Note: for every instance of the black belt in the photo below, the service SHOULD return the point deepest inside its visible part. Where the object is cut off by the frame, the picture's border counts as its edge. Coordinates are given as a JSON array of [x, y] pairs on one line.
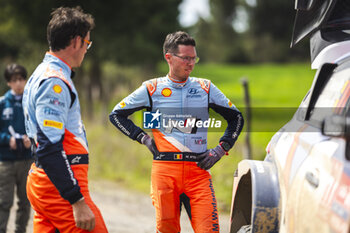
[[72, 159], [177, 156]]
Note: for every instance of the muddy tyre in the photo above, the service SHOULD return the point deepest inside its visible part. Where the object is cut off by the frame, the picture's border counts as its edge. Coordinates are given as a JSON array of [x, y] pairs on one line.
[[245, 229]]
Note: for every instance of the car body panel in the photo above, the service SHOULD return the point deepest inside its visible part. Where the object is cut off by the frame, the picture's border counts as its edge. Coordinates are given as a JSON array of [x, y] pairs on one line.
[[308, 172]]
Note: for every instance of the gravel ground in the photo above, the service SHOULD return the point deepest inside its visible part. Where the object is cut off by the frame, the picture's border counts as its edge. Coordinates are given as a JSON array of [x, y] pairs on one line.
[[125, 211]]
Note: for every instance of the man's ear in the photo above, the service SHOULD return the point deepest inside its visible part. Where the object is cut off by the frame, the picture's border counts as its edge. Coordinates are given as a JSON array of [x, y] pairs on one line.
[[167, 57], [76, 42]]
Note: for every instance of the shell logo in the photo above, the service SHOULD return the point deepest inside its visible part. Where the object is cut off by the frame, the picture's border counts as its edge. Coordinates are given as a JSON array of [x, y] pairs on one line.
[[230, 103], [166, 92], [57, 88], [122, 104]]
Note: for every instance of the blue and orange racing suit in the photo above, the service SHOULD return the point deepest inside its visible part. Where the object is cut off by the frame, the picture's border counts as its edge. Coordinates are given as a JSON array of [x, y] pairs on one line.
[[175, 174], [59, 176]]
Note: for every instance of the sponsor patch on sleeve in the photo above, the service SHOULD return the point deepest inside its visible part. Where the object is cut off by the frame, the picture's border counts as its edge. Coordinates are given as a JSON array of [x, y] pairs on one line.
[[53, 124], [230, 103], [122, 104], [56, 102], [57, 88]]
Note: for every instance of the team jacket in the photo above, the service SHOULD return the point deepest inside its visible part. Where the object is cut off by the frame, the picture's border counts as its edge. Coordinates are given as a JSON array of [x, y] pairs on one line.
[[187, 101], [11, 113], [53, 120]]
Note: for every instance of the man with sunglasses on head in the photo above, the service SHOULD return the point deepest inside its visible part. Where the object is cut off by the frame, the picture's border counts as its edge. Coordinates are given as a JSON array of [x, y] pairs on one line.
[[57, 183], [181, 160]]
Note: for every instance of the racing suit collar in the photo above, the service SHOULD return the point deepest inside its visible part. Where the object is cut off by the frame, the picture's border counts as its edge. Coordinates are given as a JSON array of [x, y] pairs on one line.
[[175, 83], [48, 53], [51, 57]]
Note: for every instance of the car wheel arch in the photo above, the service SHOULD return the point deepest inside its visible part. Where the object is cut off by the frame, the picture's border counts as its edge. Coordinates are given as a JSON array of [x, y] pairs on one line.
[[256, 197]]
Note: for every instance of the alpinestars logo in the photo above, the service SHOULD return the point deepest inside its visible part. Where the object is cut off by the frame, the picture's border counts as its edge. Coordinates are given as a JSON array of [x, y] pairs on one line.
[[151, 120], [76, 160]]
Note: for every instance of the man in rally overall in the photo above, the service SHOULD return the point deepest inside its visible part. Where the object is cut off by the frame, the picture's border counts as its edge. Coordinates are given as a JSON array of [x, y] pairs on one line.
[[57, 183], [181, 161]]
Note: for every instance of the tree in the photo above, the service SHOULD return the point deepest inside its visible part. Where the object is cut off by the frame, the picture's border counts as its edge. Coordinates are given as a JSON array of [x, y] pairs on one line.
[[129, 32], [267, 39], [217, 40], [270, 33]]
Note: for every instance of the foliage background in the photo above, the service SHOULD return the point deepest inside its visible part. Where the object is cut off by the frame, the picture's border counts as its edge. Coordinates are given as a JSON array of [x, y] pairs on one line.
[[129, 35]]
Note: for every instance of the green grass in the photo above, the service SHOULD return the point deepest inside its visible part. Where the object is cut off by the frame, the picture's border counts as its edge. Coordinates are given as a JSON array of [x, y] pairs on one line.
[[275, 89], [115, 157], [270, 85]]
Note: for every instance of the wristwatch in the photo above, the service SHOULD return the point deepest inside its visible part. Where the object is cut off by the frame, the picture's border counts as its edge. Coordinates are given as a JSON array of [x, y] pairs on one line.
[[225, 145]]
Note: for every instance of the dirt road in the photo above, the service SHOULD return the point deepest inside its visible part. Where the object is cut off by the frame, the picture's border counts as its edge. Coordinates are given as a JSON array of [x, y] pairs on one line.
[[125, 211]]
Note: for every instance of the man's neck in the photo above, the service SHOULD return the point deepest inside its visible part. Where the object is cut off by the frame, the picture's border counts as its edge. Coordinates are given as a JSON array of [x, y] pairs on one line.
[[64, 56], [176, 79]]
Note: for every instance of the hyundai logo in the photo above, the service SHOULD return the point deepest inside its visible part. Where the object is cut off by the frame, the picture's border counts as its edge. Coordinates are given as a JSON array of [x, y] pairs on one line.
[[192, 91]]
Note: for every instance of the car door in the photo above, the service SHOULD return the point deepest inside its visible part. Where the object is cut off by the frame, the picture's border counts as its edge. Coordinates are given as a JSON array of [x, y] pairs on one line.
[[319, 186]]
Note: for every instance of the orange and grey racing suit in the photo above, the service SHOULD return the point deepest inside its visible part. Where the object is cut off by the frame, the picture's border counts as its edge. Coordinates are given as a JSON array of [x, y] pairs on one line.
[[59, 176], [179, 112]]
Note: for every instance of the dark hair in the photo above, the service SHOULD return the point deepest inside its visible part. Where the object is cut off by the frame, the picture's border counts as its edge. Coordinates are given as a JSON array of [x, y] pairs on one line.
[[14, 69], [67, 23], [173, 40]]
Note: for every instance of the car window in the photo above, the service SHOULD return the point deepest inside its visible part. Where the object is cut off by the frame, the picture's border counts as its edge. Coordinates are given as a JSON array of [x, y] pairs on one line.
[[334, 97]]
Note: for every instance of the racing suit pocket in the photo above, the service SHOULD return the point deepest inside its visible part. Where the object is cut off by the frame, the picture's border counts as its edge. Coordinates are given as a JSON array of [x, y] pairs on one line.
[[166, 204]]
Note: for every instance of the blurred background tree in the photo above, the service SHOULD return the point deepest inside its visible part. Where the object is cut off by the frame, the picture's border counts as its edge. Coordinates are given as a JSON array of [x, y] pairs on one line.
[[128, 32], [216, 39], [270, 30], [248, 31]]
